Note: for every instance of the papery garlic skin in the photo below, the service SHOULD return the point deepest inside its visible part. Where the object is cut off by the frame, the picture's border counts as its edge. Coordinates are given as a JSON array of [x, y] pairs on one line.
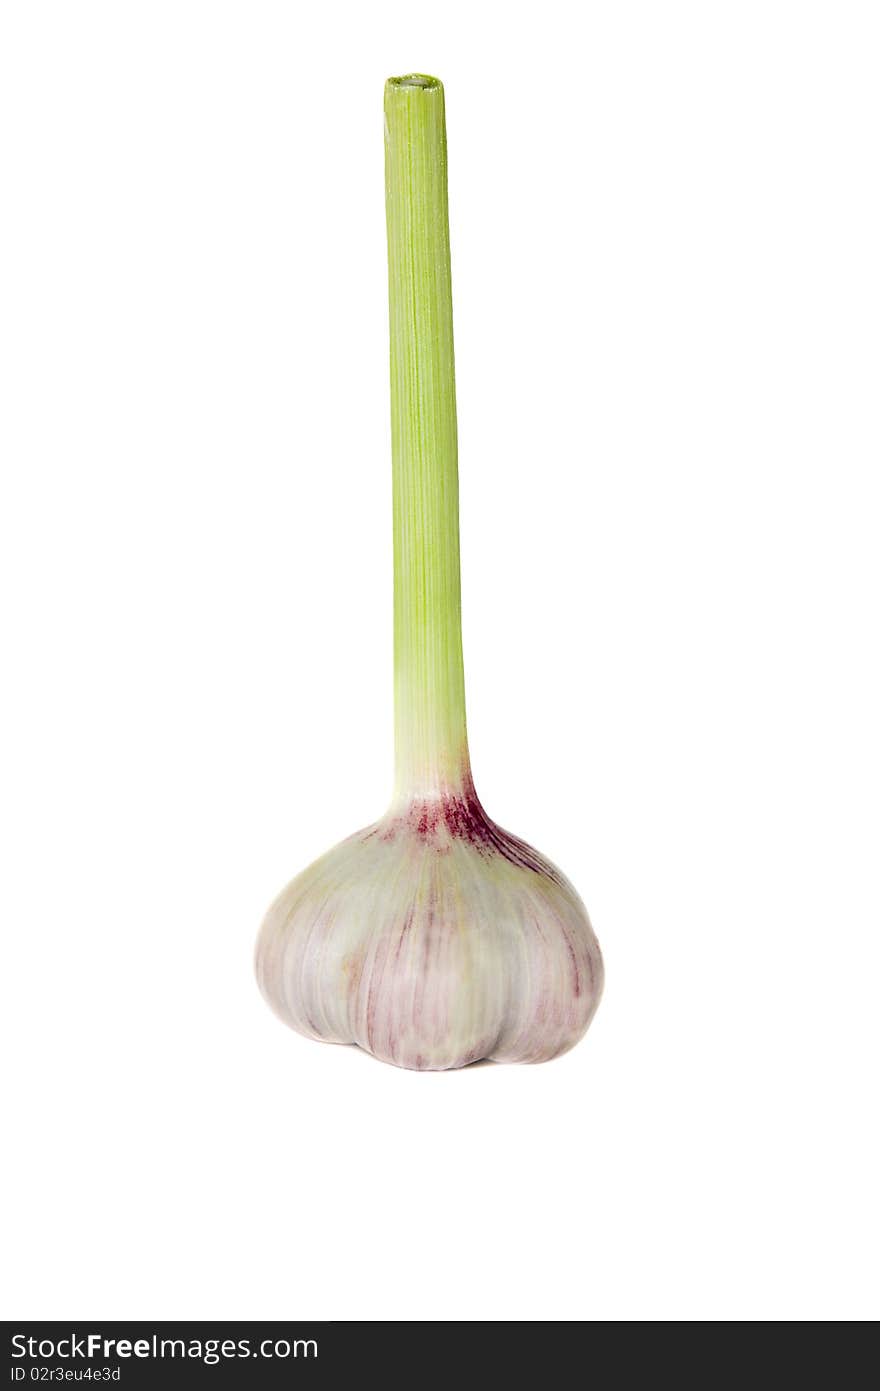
[[433, 939]]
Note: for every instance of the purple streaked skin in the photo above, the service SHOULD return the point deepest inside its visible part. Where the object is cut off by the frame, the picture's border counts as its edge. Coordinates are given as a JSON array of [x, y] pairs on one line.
[[460, 816], [433, 939]]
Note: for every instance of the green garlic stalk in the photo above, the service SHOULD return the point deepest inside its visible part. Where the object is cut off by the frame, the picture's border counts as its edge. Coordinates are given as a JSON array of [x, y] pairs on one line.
[[432, 938]]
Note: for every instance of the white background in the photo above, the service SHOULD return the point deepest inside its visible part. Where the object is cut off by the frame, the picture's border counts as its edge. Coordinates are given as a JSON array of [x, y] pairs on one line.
[[665, 226]]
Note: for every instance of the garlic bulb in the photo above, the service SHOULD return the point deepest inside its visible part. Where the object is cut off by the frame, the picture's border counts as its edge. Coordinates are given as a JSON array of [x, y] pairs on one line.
[[432, 938]]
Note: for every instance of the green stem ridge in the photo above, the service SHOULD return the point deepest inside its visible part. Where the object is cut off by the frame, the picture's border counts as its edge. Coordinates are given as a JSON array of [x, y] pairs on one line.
[[429, 711]]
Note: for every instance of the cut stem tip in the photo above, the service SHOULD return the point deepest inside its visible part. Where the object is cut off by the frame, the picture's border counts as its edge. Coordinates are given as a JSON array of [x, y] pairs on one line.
[[418, 81]]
